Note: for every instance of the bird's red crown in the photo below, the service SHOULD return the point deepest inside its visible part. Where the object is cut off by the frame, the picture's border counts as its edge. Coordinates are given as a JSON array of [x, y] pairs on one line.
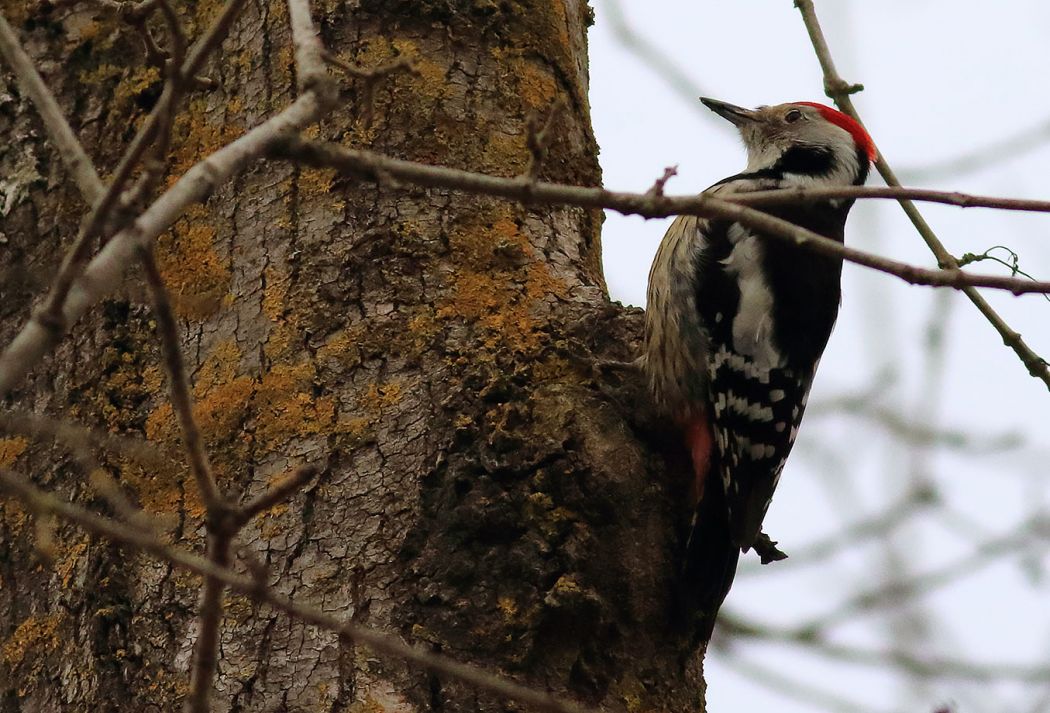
[[836, 117]]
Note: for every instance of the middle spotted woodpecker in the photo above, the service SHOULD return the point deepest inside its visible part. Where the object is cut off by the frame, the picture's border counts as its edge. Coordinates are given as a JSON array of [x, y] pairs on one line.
[[736, 323]]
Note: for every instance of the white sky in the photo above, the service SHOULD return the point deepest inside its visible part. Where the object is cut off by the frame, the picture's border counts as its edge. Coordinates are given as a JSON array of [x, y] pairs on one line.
[[942, 78]]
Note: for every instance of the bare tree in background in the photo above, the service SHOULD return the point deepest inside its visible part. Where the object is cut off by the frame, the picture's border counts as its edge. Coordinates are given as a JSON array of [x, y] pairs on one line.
[[879, 579], [347, 390]]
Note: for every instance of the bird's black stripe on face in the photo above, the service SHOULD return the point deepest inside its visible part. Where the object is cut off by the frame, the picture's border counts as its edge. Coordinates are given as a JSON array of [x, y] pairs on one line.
[[865, 166], [805, 160], [813, 161]]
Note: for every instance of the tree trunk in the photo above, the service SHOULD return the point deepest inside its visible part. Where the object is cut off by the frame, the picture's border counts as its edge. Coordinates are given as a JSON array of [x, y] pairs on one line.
[[482, 493]]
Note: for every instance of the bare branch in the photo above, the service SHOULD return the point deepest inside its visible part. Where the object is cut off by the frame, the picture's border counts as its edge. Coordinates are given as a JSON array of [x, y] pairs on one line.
[[538, 139], [178, 382], [995, 153], [372, 166], [839, 90], [68, 145], [1036, 529], [370, 74], [109, 489], [912, 430], [774, 680], [955, 198], [176, 33], [281, 491], [40, 502], [856, 533], [657, 189], [78, 438], [927, 667], [370, 78], [309, 52], [104, 272], [210, 611], [51, 321]]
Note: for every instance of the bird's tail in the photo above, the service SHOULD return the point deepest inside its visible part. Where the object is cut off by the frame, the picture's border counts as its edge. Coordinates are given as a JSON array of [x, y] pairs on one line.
[[709, 563]]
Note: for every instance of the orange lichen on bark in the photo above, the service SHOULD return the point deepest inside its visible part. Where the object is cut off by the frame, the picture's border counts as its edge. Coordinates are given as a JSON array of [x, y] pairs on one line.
[[286, 408], [553, 368], [66, 562], [367, 704], [35, 638], [100, 74], [341, 349], [429, 78], [536, 86], [503, 153], [199, 132], [380, 396], [316, 181], [16, 11], [498, 282], [633, 694], [14, 515], [203, 14], [10, 449], [221, 399], [422, 328], [238, 414], [284, 327], [197, 277], [138, 80]]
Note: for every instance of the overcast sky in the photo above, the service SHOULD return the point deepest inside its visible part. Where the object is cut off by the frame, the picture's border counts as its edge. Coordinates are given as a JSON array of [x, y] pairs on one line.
[[942, 79]]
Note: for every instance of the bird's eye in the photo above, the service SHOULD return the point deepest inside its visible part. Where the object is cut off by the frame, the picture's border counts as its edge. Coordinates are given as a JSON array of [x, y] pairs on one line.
[[792, 116]]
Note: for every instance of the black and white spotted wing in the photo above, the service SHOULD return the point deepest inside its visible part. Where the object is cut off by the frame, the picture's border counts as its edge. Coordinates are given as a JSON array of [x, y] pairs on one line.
[[756, 413]]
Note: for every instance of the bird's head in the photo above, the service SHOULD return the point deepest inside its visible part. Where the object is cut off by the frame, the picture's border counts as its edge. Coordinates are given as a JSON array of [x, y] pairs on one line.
[[803, 139]]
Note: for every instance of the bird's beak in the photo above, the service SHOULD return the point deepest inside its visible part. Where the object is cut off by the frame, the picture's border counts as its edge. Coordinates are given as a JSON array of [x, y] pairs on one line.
[[736, 115]]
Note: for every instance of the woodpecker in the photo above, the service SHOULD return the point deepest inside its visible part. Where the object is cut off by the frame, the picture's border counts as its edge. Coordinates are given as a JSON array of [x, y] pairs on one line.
[[736, 323]]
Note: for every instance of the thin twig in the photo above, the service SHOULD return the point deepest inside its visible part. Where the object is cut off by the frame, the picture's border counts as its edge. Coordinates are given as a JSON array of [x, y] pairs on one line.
[[310, 69], [839, 90], [997, 152], [109, 490], [69, 147], [372, 166], [849, 537], [77, 437], [370, 74], [209, 612], [220, 533], [892, 594], [39, 501], [277, 494], [104, 272], [176, 34], [178, 382], [50, 317], [955, 198], [538, 139], [927, 667], [657, 189], [369, 78], [774, 680]]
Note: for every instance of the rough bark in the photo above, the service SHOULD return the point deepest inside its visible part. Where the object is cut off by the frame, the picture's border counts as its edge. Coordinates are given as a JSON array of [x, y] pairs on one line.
[[482, 493]]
